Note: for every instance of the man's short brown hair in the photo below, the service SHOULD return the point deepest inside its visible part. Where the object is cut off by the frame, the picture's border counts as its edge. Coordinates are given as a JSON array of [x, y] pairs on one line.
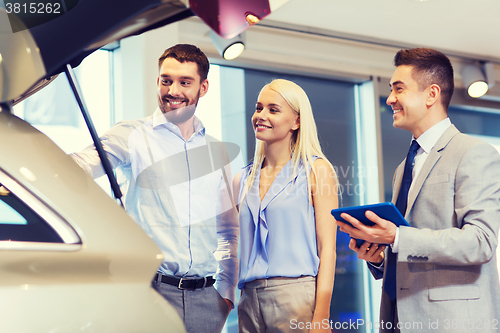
[[429, 67], [187, 52]]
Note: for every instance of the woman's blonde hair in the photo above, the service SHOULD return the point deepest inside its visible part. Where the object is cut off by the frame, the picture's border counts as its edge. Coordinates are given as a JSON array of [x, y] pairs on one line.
[[304, 143]]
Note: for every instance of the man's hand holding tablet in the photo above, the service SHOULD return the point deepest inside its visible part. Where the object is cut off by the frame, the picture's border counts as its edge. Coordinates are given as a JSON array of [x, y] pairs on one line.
[[375, 224]]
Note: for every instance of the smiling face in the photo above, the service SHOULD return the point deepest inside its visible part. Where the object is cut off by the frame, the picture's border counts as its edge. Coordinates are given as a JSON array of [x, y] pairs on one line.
[[274, 120], [409, 103], [179, 89]]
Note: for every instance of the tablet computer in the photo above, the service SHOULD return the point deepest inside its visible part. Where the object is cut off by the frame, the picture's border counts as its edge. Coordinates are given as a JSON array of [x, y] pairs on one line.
[[385, 210]]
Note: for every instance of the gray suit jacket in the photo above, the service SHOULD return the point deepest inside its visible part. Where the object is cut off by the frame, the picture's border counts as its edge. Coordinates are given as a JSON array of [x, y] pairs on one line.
[[447, 277]]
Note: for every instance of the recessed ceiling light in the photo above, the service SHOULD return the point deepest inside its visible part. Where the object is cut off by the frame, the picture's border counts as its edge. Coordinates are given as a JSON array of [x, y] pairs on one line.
[[229, 49]]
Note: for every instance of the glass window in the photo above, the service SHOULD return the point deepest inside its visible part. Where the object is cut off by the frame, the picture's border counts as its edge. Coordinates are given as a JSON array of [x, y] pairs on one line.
[[395, 142], [7, 214], [475, 122], [18, 222], [55, 112]]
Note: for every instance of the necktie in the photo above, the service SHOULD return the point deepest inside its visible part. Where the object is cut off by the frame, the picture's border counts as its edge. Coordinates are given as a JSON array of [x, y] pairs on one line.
[[401, 203]]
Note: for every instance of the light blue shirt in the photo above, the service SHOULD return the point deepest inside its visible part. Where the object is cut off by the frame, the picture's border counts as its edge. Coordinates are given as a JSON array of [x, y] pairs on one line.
[[277, 235], [174, 192]]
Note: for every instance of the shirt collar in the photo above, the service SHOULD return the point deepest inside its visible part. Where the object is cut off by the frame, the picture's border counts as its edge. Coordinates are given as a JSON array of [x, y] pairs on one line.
[[159, 119], [429, 138]]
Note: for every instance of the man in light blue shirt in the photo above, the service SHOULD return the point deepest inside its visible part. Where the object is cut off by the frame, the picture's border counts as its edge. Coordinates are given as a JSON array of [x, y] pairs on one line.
[[177, 188]]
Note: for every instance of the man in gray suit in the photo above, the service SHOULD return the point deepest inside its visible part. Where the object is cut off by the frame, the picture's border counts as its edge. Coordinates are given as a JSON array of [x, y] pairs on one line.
[[443, 275]]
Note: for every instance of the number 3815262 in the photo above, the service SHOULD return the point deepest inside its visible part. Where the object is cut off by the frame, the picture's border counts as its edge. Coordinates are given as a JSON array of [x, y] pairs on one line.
[[33, 8]]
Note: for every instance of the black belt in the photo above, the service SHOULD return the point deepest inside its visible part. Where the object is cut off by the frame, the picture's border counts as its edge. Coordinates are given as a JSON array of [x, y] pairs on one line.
[[181, 283]]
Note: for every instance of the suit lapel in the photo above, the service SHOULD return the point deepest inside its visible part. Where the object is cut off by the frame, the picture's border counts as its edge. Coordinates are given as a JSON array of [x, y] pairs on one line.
[[429, 164], [396, 182]]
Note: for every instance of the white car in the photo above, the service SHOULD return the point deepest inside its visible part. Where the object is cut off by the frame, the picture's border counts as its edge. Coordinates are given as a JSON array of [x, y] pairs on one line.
[[71, 259]]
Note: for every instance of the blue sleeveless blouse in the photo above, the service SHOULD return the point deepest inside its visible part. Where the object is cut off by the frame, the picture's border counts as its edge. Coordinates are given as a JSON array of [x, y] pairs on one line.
[[277, 235]]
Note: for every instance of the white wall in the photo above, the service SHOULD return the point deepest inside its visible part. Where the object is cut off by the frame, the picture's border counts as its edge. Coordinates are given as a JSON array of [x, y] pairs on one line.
[[137, 71]]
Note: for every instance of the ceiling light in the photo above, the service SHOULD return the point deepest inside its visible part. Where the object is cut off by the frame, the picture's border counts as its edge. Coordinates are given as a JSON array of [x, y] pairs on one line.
[[478, 79], [252, 19], [229, 49]]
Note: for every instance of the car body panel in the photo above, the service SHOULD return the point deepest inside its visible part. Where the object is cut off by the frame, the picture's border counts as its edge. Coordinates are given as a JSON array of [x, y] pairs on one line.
[[21, 64], [93, 308], [99, 281]]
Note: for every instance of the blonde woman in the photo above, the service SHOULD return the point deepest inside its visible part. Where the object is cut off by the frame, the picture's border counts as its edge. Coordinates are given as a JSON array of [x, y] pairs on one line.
[[287, 235]]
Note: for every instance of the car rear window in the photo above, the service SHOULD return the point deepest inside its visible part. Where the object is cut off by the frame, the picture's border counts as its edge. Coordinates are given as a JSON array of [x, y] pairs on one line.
[[18, 222]]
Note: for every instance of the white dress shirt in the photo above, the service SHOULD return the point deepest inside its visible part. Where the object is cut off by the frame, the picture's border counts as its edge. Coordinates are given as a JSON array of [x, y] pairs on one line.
[[173, 191]]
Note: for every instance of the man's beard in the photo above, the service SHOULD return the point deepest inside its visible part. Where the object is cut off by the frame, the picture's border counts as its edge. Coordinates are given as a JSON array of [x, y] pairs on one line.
[[177, 115]]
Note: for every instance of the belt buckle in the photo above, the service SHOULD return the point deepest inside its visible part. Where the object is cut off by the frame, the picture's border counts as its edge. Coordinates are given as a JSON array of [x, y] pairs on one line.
[[204, 282], [179, 286]]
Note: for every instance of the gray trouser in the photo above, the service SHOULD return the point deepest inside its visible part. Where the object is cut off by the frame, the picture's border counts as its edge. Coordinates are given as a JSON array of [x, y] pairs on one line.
[[277, 305], [201, 310]]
